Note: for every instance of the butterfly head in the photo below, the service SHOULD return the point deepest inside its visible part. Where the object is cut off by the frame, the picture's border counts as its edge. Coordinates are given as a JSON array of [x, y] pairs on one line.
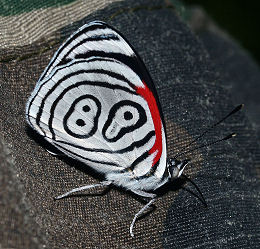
[[176, 167]]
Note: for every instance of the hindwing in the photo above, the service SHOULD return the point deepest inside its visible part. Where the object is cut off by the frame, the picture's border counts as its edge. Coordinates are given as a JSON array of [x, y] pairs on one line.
[[97, 103]]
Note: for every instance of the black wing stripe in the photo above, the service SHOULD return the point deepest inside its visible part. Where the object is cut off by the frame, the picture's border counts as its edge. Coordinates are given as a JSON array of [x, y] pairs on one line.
[[150, 172], [131, 147], [139, 160], [85, 158], [128, 60]]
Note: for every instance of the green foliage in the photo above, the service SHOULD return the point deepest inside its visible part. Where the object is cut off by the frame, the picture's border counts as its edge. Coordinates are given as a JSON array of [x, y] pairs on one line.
[[15, 7]]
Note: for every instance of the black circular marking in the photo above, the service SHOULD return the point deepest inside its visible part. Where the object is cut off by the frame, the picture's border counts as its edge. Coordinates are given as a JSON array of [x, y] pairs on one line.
[[80, 122], [128, 115], [124, 130], [86, 108], [74, 86]]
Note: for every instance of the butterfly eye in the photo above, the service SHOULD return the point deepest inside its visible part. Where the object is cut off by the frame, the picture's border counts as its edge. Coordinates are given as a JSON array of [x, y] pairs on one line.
[[124, 117], [81, 120]]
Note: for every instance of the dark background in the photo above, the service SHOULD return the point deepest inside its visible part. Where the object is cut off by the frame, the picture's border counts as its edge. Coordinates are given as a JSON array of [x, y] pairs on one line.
[[239, 18]]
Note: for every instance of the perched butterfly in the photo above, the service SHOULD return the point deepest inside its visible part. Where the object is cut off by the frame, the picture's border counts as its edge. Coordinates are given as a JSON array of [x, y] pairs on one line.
[[96, 103]]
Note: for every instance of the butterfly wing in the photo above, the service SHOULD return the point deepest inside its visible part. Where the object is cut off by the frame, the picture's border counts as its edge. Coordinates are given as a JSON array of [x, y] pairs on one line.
[[97, 103], [93, 39]]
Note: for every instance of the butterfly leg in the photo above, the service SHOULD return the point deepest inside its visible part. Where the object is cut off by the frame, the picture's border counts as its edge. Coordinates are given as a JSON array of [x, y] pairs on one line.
[[104, 183], [141, 211], [144, 194]]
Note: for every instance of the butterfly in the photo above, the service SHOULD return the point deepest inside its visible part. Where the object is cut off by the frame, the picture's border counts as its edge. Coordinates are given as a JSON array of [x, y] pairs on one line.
[[97, 103]]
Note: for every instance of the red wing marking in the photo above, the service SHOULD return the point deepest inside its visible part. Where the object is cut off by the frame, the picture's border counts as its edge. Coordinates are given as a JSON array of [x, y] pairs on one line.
[[146, 93]]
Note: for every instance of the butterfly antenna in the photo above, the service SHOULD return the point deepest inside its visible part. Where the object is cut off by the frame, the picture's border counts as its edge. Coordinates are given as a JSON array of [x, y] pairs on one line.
[[208, 144], [209, 129]]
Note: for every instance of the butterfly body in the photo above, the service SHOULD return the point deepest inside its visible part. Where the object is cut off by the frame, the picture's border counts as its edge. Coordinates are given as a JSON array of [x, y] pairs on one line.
[[96, 103]]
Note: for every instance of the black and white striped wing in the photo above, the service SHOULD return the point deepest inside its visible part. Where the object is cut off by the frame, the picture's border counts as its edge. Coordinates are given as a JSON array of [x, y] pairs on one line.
[[96, 102], [93, 39]]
